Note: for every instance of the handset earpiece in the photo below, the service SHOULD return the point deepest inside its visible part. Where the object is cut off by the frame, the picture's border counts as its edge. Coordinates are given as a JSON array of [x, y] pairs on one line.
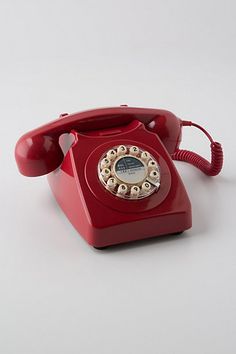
[[169, 128], [38, 155]]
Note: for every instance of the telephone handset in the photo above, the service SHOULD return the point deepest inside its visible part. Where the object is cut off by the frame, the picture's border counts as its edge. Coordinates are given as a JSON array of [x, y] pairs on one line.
[[117, 182]]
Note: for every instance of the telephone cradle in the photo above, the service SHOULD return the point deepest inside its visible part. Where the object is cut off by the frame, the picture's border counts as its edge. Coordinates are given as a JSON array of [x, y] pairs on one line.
[[116, 181]]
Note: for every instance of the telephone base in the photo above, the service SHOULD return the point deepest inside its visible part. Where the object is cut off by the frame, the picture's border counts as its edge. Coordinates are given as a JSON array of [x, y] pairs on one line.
[[101, 226], [105, 219]]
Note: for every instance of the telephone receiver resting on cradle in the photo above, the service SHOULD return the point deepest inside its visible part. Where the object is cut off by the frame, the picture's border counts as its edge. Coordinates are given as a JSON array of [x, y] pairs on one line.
[[143, 141]]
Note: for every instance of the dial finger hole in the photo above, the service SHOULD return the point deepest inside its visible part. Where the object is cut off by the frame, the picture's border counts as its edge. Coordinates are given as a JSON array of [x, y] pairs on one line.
[[134, 192], [154, 175], [105, 173], [134, 150], [121, 150], [146, 186], [111, 154], [111, 183], [145, 156], [122, 189], [152, 164], [105, 163]]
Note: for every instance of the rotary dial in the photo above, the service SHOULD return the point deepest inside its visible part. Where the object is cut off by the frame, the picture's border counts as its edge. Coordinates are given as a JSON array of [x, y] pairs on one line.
[[129, 172]]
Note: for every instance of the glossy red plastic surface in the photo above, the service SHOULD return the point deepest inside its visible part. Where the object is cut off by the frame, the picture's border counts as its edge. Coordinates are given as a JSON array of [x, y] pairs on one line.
[[100, 217], [104, 219], [38, 152]]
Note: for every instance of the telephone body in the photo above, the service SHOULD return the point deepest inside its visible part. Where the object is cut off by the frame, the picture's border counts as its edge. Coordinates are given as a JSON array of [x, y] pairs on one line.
[[117, 182]]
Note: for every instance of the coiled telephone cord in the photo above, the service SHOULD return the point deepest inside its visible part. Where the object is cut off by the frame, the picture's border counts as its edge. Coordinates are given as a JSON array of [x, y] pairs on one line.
[[211, 168]]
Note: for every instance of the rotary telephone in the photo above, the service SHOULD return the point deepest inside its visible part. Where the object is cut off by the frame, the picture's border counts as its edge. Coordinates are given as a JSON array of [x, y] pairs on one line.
[[117, 182]]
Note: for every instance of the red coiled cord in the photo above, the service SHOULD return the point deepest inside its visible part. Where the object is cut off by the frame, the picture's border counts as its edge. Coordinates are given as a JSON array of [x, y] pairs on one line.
[[209, 168]]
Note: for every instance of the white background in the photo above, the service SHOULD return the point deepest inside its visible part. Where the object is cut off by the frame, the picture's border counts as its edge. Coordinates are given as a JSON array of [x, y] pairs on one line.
[[171, 295]]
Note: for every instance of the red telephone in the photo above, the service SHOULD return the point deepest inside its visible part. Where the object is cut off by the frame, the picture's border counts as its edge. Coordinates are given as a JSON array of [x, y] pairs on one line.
[[117, 182]]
